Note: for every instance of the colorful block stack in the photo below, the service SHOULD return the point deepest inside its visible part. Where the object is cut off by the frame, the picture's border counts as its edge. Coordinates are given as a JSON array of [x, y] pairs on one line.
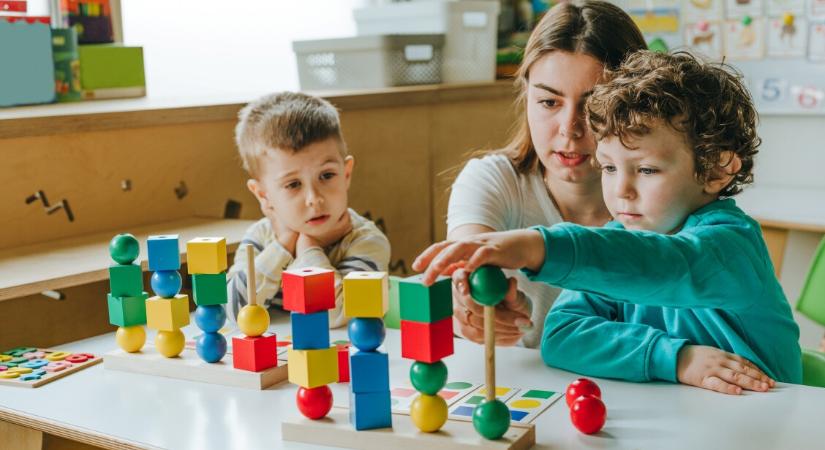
[[255, 351], [127, 299], [427, 338], [309, 294], [206, 260], [168, 311], [366, 301]]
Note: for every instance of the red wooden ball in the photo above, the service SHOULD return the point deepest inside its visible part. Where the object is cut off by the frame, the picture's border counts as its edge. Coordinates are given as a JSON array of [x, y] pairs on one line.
[[582, 386], [588, 414], [314, 403]]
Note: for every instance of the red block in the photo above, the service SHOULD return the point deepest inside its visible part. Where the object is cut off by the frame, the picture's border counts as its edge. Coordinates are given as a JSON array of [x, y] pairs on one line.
[[308, 290], [254, 353], [343, 363], [427, 342]]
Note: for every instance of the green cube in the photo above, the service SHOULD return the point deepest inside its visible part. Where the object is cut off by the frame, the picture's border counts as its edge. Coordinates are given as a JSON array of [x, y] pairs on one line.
[[392, 319], [125, 280], [420, 303], [127, 311], [209, 288]]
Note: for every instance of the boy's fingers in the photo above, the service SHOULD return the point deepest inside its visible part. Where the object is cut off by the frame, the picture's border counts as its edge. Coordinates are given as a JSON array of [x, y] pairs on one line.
[[749, 371], [718, 385], [423, 260], [762, 376], [742, 380]]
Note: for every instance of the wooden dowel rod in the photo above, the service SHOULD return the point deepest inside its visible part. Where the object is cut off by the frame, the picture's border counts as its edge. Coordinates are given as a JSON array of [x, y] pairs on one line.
[[250, 276], [490, 350]]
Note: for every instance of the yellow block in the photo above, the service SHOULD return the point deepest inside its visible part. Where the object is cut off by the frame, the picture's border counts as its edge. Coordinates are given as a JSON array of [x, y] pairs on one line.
[[167, 314], [206, 255], [366, 294], [313, 368]]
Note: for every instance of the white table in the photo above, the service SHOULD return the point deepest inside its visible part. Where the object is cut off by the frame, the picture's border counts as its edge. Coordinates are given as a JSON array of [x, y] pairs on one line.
[[112, 408]]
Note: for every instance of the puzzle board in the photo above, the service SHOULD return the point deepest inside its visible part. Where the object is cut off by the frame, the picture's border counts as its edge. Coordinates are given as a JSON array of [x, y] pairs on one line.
[[33, 367]]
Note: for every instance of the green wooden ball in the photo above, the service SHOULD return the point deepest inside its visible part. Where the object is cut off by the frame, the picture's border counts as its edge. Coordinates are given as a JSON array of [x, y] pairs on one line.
[[428, 378], [488, 285], [491, 418], [124, 248]]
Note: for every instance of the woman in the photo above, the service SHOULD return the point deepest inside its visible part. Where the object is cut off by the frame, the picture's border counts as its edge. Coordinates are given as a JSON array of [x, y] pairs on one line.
[[546, 174]]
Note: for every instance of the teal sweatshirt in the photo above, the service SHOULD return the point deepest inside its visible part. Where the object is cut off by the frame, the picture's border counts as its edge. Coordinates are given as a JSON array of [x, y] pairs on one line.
[[635, 298]]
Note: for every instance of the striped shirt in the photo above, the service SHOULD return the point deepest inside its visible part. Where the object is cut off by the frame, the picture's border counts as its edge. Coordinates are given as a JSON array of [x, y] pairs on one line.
[[365, 248]]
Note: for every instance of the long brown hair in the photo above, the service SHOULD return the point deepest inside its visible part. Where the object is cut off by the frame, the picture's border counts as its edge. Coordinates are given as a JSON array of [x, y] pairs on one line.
[[592, 27]]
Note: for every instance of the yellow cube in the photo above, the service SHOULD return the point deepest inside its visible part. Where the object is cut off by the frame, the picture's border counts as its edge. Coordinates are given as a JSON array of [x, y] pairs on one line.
[[366, 294], [167, 314], [313, 368], [206, 255]]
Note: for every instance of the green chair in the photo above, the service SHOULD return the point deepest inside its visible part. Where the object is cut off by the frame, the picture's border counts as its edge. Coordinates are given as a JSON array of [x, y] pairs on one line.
[[811, 303]]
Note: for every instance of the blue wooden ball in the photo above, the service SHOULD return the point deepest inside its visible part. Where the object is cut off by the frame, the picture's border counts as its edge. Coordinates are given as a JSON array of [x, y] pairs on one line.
[[211, 347], [210, 318], [166, 283], [366, 333]]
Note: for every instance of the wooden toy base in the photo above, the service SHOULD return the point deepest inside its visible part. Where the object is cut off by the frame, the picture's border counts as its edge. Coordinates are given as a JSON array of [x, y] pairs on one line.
[[335, 430], [188, 366]]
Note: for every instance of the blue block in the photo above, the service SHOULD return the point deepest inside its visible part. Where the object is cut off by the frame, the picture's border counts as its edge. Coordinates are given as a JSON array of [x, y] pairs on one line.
[[164, 253], [310, 331], [370, 410], [166, 283], [369, 372]]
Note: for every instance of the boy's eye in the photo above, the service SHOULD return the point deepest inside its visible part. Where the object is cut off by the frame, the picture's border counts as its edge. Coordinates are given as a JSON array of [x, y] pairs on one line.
[[608, 168], [647, 171], [327, 175], [293, 185]]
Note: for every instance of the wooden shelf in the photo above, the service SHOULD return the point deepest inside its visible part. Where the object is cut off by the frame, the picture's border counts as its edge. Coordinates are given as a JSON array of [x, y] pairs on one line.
[[80, 260]]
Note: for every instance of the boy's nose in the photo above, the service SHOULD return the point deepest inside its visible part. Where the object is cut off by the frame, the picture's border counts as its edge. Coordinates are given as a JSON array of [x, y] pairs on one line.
[[313, 198], [625, 189]]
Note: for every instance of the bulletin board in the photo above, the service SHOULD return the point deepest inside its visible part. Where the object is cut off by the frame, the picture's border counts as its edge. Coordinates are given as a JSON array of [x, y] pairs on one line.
[[778, 45]]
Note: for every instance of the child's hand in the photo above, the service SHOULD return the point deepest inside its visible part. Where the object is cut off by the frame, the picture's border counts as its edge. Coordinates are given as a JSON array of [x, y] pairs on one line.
[[285, 236], [507, 249], [305, 242], [718, 370]]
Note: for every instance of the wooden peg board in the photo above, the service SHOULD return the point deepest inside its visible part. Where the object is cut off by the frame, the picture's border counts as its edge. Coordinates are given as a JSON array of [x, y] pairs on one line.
[[55, 370]]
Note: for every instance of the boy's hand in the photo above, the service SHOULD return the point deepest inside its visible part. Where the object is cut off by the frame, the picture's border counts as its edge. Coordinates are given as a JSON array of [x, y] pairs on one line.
[[717, 370], [286, 237], [305, 242], [507, 249], [511, 314]]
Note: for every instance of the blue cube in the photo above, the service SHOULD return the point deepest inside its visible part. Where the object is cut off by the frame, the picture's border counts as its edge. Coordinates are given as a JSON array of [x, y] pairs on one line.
[[370, 410], [310, 331], [164, 253], [369, 372]]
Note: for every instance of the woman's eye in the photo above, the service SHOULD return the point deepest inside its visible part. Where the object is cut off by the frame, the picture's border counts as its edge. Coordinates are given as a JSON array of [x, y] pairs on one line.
[[293, 185], [647, 171], [608, 168], [549, 103]]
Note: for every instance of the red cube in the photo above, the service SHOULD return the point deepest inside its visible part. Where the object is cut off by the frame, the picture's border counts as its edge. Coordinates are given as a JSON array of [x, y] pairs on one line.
[[343, 363], [254, 354], [427, 342], [308, 290]]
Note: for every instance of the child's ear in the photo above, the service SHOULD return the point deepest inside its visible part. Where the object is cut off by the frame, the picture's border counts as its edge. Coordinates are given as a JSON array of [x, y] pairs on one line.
[[257, 189], [721, 176], [349, 163]]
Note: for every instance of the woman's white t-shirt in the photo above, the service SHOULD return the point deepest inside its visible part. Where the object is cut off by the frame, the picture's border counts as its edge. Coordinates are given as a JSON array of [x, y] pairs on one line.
[[490, 192]]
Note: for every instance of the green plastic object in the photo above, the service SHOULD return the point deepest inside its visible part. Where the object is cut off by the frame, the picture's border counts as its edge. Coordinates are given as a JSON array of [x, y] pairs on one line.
[[813, 368], [428, 378], [425, 304], [392, 319], [124, 248], [209, 288], [488, 285], [747, 20], [811, 301], [491, 419], [127, 311], [658, 45], [125, 280]]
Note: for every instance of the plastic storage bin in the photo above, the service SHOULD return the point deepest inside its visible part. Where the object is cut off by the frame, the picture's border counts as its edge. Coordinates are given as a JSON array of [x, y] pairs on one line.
[[470, 28], [369, 61]]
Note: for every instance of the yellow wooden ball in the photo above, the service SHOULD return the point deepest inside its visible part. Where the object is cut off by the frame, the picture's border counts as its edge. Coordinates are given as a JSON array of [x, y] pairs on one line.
[[130, 339], [428, 412], [253, 320], [170, 343]]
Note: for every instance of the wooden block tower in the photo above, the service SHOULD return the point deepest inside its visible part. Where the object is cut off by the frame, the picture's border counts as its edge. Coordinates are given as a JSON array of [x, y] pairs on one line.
[[366, 300], [126, 299], [427, 337], [309, 294], [207, 265], [255, 351], [168, 311]]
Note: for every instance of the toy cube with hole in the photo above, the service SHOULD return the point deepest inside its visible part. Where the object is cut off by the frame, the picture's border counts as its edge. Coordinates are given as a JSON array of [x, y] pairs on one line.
[[313, 368], [427, 342], [310, 331], [125, 280], [167, 314], [127, 311], [206, 255], [308, 290], [209, 288], [366, 294], [164, 252], [254, 354], [420, 303]]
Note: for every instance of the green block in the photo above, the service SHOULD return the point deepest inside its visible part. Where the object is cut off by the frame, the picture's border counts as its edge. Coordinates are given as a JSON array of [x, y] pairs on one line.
[[125, 280], [127, 311], [111, 66], [392, 319], [209, 288], [425, 304]]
